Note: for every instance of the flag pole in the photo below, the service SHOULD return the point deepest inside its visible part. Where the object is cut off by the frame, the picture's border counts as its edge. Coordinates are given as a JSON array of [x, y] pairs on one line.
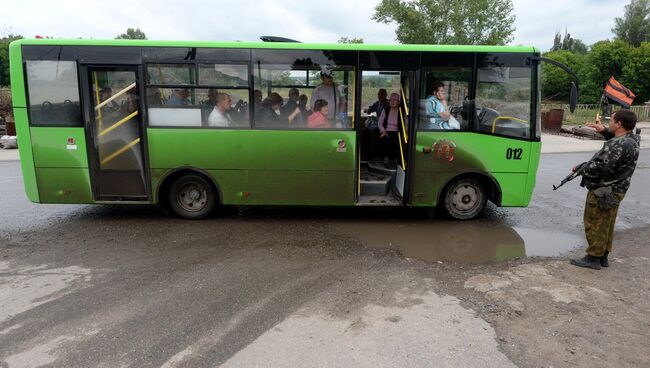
[[604, 108]]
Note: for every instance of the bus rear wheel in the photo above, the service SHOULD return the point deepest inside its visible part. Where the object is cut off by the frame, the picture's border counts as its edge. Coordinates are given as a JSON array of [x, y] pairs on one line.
[[192, 197], [464, 199]]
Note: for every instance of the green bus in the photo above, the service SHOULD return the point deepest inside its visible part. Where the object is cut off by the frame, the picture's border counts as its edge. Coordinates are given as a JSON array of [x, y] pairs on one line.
[[192, 126]]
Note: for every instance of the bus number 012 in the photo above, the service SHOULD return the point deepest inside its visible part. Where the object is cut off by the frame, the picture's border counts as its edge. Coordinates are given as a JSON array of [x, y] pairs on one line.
[[514, 153]]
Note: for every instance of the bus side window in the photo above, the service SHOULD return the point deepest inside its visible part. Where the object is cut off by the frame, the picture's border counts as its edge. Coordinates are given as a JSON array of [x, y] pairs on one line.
[[53, 93], [221, 82], [285, 96], [445, 90], [184, 95], [503, 101]]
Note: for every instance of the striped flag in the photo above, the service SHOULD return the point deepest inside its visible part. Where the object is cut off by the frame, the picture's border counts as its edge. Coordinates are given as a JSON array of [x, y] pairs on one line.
[[617, 92]]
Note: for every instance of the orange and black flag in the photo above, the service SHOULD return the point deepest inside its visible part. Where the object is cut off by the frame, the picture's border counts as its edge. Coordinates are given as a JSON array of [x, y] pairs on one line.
[[618, 93]]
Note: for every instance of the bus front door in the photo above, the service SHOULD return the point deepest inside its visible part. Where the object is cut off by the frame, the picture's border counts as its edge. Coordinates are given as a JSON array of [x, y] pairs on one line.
[[114, 126], [383, 157]]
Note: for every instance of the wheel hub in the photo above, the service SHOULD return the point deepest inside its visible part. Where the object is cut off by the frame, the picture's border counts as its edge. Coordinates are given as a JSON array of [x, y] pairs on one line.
[[192, 197], [465, 198], [194, 194]]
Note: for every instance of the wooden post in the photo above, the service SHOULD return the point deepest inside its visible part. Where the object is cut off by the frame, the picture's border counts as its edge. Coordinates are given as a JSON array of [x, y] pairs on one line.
[[10, 126]]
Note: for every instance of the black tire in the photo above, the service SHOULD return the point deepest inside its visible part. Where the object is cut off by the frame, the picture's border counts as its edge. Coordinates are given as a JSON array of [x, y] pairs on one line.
[[464, 199], [192, 197]]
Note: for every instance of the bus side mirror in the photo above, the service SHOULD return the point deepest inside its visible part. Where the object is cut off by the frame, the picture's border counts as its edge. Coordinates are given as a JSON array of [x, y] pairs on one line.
[[573, 97]]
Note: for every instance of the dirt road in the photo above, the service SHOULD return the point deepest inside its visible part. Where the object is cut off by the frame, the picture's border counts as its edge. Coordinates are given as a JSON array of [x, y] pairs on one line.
[[127, 286]]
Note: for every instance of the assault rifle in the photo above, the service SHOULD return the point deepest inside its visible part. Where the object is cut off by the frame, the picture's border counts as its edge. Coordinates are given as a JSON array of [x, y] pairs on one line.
[[579, 169]]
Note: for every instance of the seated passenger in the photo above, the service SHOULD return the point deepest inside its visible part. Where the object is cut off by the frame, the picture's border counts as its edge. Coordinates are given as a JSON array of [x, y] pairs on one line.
[[318, 118], [104, 94], [304, 109], [239, 112], [208, 105], [219, 116], [257, 101], [437, 110], [292, 104], [154, 97], [257, 96], [180, 97], [131, 104], [290, 110], [269, 112], [380, 104]]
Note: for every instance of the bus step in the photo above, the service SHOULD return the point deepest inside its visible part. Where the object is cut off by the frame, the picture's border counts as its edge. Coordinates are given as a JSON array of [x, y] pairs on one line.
[[378, 187], [371, 200], [379, 167], [375, 181]]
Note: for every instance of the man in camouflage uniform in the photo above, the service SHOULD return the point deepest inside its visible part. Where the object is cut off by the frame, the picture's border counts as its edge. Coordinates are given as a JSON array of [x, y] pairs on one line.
[[607, 176]]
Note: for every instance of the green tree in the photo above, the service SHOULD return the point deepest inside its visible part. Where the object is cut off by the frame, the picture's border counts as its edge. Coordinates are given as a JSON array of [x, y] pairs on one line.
[[568, 43], [350, 40], [132, 34], [557, 42], [573, 44], [556, 83], [578, 46], [634, 27], [483, 22], [4, 58], [636, 72]]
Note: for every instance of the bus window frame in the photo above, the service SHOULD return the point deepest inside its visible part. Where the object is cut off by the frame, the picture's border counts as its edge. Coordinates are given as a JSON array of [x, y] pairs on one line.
[[535, 108], [196, 65], [146, 69], [258, 61], [198, 75], [432, 60], [352, 70], [390, 60], [50, 53], [512, 60], [28, 104], [110, 55]]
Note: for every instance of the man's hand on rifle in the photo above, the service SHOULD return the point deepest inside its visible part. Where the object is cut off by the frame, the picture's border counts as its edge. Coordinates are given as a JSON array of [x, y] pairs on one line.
[[575, 172], [578, 167]]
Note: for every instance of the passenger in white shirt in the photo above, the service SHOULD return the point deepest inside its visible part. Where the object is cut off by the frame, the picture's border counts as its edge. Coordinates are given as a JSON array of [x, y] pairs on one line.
[[219, 116]]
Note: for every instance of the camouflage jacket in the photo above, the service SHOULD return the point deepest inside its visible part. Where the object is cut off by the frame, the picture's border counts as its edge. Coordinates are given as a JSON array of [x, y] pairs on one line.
[[614, 164]]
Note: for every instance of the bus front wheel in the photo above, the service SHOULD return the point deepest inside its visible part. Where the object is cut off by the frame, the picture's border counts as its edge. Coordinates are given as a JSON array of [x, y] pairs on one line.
[[192, 197], [464, 199]]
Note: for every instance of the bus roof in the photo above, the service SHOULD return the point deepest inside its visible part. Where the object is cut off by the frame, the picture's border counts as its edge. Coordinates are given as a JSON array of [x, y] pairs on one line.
[[280, 45]]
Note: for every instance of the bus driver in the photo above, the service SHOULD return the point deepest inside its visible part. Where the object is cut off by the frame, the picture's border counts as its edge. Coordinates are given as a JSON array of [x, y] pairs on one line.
[[437, 110]]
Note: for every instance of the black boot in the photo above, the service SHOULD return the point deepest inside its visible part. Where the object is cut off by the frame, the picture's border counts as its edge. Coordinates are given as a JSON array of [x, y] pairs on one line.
[[603, 260], [587, 261]]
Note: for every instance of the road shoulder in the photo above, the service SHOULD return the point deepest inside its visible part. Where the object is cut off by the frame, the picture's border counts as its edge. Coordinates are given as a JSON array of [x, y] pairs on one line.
[[9, 155]]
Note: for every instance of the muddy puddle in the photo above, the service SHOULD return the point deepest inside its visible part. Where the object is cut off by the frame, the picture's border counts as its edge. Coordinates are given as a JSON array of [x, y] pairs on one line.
[[462, 242]]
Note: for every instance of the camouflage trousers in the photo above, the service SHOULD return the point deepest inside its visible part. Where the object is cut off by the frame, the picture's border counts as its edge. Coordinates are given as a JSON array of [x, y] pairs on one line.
[[599, 225]]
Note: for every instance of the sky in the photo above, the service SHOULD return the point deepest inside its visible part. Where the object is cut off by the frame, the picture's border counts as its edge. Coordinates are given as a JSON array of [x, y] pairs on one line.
[[537, 21]]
